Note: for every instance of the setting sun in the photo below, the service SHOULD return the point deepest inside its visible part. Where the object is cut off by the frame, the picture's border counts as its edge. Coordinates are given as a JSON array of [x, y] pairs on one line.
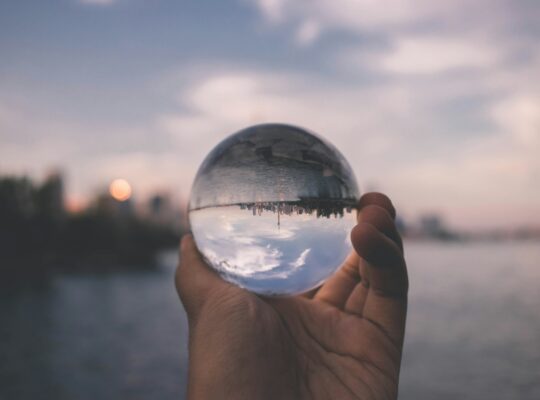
[[120, 189]]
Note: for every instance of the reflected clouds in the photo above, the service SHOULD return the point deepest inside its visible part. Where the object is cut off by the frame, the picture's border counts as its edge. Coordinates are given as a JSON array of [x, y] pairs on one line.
[[256, 253], [271, 208], [301, 260]]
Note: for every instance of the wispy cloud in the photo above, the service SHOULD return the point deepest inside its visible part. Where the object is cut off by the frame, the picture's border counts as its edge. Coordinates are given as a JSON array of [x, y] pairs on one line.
[[414, 36], [395, 16], [425, 55], [451, 102], [301, 260], [393, 134], [307, 32]]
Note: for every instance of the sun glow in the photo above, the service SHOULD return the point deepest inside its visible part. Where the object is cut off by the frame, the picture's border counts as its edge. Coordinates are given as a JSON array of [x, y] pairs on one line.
[[120, 189]]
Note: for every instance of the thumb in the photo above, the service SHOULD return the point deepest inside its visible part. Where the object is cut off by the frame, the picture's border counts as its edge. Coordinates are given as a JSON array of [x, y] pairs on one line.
[[194, 279]]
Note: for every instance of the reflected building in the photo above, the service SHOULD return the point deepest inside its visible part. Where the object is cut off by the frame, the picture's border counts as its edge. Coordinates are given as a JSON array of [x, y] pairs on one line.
[[317, 207]]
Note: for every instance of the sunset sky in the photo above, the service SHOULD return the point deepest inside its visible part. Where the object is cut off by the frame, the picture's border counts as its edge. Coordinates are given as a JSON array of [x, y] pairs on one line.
[[435, 103]]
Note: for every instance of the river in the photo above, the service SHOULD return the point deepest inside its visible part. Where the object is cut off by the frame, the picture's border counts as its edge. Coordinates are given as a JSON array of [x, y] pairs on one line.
[[473, 330]]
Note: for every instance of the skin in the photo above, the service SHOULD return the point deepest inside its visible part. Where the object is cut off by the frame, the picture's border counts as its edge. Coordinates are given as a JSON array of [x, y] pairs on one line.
[[342, 341]]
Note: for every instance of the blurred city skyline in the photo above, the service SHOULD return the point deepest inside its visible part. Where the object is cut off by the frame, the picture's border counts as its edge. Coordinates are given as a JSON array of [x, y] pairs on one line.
[[436, 104]]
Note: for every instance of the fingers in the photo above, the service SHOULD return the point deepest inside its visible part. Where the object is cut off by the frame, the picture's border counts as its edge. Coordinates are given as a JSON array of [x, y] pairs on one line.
[[338, 288], [310, 293], [383, 271], [381, 219], [377, 199], [385, 266], [355, 302], [194, 280]]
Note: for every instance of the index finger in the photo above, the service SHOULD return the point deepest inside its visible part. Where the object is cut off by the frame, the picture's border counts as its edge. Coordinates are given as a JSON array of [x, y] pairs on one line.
[[382, 265], [339, 287]]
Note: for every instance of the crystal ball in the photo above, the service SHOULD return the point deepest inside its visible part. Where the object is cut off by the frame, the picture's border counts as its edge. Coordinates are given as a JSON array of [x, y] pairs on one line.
[[271, 209]]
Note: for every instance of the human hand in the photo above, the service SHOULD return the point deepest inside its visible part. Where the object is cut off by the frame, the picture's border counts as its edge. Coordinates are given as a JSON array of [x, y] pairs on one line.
[[343, 341]]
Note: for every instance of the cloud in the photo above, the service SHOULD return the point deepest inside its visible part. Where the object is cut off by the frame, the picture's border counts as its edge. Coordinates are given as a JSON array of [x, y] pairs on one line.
[[491, 179], [223, 103], [425, 55], [307, 32], [434, 102], [91, 154], [365, 15], [519, 117], [301, 260], [242, 97], [412, 36], [392, 16], [400, 135], [272, 9], [445, 95]]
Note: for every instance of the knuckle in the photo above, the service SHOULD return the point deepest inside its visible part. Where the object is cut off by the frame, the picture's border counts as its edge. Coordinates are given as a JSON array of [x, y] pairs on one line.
[[380, 199]]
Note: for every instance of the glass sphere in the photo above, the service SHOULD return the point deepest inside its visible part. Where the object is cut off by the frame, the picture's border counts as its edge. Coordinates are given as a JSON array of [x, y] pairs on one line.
[[271, 209]]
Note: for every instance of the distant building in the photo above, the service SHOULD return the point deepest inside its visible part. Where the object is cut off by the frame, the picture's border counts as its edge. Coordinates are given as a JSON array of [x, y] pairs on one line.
[[107, 204], [161, 210], [431, 224], [50, 197], [157, 204]]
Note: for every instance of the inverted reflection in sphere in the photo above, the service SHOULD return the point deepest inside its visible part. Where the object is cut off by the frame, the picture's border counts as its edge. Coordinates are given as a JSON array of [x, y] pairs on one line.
[[271, 209]]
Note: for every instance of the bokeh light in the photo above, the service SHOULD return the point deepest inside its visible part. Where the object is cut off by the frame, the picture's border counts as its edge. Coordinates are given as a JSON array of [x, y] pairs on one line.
[[120, 189]]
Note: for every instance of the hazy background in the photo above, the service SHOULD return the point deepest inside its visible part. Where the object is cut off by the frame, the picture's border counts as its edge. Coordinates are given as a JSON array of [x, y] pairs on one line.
[[435, 103]]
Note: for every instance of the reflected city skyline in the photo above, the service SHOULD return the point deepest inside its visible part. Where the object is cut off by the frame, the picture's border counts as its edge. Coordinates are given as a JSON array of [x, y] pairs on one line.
[[320, 208], [268, 209], [274, 163]]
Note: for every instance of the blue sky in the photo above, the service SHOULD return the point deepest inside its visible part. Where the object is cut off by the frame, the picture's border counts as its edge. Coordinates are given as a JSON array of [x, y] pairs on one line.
[[435, 103]]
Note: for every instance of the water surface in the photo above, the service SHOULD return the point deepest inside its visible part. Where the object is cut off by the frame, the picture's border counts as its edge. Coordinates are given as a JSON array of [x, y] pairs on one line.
[[473, 330]]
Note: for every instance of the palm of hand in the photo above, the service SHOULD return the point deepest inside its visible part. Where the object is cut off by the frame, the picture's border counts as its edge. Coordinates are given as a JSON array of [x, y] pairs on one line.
[[334, 363], [343, 342]]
